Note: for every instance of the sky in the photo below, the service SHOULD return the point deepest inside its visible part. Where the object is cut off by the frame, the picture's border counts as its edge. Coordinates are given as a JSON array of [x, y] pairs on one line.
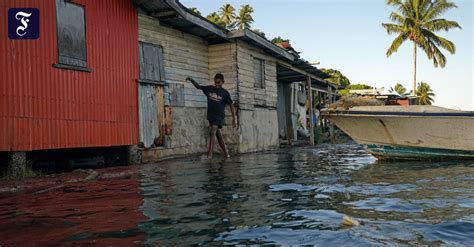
[[347, 35]]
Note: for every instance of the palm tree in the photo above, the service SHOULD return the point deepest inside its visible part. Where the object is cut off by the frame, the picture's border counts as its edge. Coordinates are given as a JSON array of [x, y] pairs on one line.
[[227, 14], [216, 19], [400, 89], [417, 21], [425, 94], [245, 19]]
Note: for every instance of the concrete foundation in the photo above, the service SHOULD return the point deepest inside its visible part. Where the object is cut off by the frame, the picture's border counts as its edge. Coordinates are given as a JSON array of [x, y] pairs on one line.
[[17, 160], [259, 130]]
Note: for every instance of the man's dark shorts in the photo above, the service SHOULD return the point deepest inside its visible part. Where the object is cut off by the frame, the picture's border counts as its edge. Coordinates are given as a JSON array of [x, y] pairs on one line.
[[218, 123]]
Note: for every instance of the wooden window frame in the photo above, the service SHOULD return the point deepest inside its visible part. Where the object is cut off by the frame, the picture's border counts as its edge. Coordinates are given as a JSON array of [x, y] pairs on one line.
[[62, 64]]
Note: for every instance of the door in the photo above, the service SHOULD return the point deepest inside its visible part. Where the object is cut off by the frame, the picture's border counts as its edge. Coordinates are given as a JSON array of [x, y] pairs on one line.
[[149, 122], [150, 93]]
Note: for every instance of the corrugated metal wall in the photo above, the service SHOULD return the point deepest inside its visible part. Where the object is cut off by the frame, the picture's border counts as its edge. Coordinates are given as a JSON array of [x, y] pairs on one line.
[[148, 113], [42, 107]]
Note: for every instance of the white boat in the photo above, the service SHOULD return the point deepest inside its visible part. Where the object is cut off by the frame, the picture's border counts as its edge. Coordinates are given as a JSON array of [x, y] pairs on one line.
[[408, 132]]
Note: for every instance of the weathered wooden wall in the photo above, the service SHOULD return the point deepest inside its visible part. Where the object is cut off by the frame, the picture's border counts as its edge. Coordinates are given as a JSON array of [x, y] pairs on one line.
[[257, 106], [223, 59], [250, 96], [184, 55]]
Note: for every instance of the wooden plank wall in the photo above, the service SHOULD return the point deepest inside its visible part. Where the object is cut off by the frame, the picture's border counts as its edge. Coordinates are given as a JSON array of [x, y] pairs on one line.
[[184, 55], [250, 96], [222, 59]]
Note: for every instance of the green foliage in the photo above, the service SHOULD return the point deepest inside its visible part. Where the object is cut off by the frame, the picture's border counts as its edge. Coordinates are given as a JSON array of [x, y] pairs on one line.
[[425, 94], [195, 10], [259, 33], [358, 87], [417, 21], [216, 19], [336, 77], [279, 40], [346, 91], [227, 15], [343, 92], [318, 133], [245, 19], [400, 89]]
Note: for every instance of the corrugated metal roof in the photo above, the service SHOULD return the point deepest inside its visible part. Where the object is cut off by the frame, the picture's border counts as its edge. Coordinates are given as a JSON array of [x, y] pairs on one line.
[[286, 74], [173, 13], [259, 41]]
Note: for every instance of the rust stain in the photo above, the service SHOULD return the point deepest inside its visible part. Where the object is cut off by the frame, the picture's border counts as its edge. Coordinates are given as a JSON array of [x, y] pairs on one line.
[[390, 137], [160, 102], [168, 121]]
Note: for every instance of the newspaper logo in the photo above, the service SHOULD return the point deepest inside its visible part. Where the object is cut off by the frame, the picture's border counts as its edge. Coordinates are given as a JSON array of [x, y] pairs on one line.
[[23, 23]]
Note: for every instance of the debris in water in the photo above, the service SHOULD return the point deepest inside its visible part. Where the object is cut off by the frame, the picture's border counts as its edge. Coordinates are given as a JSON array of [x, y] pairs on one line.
[[348, 221]]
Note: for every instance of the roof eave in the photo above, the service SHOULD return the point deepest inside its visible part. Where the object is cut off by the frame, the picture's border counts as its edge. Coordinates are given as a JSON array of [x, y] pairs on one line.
[[262, 43], [198, 22]]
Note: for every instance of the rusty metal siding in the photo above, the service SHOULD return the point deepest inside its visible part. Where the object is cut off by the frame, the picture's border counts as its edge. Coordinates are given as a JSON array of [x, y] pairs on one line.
[[148, 113], [42, 107]]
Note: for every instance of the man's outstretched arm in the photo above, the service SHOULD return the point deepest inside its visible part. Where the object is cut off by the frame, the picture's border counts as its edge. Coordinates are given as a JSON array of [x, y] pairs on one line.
[[193, 82]]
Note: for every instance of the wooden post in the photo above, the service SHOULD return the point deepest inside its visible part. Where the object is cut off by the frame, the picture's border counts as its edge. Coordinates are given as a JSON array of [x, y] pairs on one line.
[[310, 101], [331, 126]]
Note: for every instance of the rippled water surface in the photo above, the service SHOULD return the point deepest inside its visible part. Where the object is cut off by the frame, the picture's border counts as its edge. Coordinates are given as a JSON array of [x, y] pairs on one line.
[[288, 197]]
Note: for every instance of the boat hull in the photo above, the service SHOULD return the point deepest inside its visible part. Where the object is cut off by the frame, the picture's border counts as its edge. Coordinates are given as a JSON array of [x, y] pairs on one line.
[[405, 135], [416, 153]]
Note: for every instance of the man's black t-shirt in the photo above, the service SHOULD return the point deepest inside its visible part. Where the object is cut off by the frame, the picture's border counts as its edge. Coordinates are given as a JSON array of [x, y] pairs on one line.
[[217, 99]]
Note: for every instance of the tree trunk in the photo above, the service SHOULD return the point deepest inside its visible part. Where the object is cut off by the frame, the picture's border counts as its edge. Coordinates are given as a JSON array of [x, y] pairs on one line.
[[414, 69]]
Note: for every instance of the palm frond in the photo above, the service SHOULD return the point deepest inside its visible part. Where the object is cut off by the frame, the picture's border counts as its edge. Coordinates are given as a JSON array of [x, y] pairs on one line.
[[438, 58], [397, 42], [393, 28], [440, 41], [438, 8], [425, 45], [441, 24], [397, 18]]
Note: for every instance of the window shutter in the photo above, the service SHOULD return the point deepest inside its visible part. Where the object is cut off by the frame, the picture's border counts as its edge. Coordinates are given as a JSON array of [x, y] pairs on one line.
[[151, 63], [259, 72]]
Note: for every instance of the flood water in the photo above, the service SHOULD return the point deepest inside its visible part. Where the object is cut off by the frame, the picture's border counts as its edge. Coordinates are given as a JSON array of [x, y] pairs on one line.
[[287, 197]]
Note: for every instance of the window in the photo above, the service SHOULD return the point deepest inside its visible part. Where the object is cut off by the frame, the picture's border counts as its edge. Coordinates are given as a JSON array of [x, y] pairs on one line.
[[71, 30], [151, 63], [259, 72]]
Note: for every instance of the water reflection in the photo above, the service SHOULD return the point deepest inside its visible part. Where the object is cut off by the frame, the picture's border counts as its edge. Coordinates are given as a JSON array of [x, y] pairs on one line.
[[99, 212], [288, 197], [299, 196]]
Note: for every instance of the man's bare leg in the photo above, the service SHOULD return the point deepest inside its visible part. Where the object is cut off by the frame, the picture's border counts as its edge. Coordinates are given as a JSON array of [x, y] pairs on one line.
[[220, 139], [212, 139]]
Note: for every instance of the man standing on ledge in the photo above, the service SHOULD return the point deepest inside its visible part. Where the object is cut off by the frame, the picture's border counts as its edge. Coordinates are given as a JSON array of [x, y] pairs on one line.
[[217, 99]]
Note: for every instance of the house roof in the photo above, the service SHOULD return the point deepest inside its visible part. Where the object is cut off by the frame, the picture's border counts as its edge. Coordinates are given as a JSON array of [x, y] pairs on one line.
[[174, 14], [253, 38]]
